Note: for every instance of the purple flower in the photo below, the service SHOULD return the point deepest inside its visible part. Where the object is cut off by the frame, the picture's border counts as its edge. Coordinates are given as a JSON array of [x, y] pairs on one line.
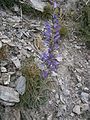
[[52, 43], [44, 74], [56, 46], [44, 56], [56, 38], [55, 4]]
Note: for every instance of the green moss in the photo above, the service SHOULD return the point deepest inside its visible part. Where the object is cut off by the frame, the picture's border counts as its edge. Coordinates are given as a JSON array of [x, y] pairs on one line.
[[63, 31]]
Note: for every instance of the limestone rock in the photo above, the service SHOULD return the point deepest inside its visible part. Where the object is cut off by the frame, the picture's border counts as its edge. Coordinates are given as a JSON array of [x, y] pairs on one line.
[[38, 5], [6, 78], [21, 85], [8, 94], [0, 44], [84, 97], [3, 69], [16, 61], [76, 109]]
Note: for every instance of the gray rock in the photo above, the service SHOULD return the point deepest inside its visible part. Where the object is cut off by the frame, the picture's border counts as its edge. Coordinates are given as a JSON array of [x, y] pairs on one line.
[[6, 103], [84, 107], [14, 19], [16, 61], [84, 97], [3, 37], [8, 94], [6, 78], [50, 117], [16, 8], [3, 69], [76, 109], [86, 89], [7, 41], [38, 4], [79, 85], [0, 44], [21, 85]]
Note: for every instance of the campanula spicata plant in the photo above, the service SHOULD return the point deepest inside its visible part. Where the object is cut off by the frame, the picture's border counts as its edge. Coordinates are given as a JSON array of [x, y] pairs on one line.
[[52, 41]]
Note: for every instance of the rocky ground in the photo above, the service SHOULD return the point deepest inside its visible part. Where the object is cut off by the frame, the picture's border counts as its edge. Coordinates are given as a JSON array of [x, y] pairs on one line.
[[69, 99]]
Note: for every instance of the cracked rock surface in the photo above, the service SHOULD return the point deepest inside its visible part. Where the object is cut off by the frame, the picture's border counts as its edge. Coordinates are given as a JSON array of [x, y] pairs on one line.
[[69, 98]]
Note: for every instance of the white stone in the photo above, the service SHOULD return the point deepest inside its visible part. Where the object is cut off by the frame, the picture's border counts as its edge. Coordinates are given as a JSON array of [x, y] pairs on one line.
[[54, 74], [72, 114], [16, 8], [0, 44], [38, 4], [6, 78], [50, 117], [59, 58], [7, 41], [86, 89], [79, 85], [8, 94], [76, 109], [21, 85], [84, 97], [85, 107], [57, 96], [16, 61], [3, 69], [3, 37]]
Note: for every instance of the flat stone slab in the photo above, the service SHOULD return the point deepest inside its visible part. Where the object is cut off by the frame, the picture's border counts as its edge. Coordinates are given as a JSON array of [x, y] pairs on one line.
[[8, 94], [37, 4]]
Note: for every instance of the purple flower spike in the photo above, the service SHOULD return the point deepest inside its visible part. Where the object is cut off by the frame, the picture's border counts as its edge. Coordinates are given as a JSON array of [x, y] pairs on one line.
[[52, 44], [44, 74], [55, 4], [56, 46]]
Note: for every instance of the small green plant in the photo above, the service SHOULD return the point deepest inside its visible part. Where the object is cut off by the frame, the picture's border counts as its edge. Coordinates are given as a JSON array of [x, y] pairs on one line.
[[47, 14], [63, 31], [84, 24], [8, 3], [36, 87], [3, 53], [27, 9]]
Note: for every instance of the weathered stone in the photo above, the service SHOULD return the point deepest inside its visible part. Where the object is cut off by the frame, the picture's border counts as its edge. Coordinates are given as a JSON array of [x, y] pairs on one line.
[[84, 97], [6, 103], [59, 58], [79, 85], [6, 41], [84, 107], [38, 4], [6, 78], [16, 8], [16, 61], [76, 109], [0, 44], [3, 69], [8, 94], [54, 74], [50, 117], [21, 85], [14, 19]]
